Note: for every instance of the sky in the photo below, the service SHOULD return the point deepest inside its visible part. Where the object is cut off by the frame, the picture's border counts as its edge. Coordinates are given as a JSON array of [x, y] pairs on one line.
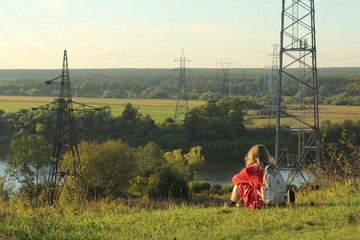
[[151, 33]]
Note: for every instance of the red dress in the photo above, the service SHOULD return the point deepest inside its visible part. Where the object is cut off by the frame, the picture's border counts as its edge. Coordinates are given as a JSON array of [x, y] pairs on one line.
[[254, 176]]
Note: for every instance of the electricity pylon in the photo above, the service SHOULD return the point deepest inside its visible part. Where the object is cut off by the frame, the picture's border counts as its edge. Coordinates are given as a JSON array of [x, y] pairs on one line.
[[225, 64], [273, 82], [182, 98], [297, 127], [65, 136]]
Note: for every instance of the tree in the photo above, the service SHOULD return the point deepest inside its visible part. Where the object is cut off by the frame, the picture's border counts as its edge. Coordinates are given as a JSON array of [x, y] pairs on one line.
[[106, 168], [355, 84], [206, 96], [221, 119], [130, 113], [186, 164], [28, 163], [149, 160]]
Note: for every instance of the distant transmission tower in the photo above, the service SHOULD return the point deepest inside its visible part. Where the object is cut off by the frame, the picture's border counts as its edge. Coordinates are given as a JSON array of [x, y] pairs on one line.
[[297, 128], [265, 86], [273, 82], [65, 135], [182, 98], [225, 64]]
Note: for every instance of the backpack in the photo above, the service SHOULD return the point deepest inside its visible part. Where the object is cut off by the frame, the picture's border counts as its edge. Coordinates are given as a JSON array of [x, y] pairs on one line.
[[273, 190]]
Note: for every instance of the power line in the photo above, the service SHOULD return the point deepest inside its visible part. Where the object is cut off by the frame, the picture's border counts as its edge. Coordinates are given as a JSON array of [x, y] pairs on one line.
[[324, 21], [10, 65], [44, 34], [254, 30], [37, 52]]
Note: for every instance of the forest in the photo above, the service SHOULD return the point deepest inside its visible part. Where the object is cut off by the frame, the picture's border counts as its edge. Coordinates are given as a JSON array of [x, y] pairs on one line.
[[202, 84]]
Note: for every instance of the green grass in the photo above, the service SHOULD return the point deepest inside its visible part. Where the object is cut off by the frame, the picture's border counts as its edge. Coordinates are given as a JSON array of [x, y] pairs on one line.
[[336, 114], [329, 213], [158, 114], [15, 106], [159, 109]]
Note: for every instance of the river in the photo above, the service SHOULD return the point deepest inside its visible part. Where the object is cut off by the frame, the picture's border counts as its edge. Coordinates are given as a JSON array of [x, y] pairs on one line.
[[223, 173], [214, 173]]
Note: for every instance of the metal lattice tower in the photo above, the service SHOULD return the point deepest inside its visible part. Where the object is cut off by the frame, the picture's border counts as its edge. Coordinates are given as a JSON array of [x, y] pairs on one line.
[[297, 128], [65, 135], [182, 99], [273, 82], [265, 87], [225, 65]]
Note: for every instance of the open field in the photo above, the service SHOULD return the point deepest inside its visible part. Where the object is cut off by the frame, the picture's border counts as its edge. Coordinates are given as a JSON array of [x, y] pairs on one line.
[[336, 114], [159, 109]]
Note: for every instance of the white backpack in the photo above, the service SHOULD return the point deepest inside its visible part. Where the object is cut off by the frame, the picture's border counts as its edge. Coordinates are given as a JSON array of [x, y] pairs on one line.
[[273, 190]]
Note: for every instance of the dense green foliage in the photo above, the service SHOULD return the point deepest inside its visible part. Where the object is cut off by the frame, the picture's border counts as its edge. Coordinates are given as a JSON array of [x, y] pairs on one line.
[[341, 151], [203, 84], [222, 119], [29, 164], [217, 126], [114, 169]]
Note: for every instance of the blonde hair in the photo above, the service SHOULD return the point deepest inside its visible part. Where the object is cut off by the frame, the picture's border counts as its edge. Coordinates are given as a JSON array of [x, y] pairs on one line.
[[258, 155]]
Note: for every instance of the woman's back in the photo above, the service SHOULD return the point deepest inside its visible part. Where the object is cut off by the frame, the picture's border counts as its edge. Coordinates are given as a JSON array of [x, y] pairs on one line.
[[250, 180]]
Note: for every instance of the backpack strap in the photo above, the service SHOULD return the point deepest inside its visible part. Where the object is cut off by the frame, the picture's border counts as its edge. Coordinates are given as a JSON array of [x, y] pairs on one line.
[[247, 188], [257, 191], [268, 166]]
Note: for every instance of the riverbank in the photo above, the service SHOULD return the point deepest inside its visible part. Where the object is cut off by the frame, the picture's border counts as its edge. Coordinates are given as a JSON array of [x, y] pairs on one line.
[[328, 213]]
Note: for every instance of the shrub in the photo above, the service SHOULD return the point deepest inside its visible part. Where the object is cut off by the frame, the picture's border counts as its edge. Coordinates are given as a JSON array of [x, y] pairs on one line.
[[222, 189], [171, 184], [199, 186], [106, 168]]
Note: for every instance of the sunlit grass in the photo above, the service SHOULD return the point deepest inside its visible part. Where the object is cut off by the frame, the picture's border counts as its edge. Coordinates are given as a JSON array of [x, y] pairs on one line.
[[159, 109], [336, 114], [329, 213]]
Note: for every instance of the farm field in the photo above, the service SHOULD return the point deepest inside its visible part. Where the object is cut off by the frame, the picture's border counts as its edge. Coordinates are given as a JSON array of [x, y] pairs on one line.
[[336, 114], [159, 109]]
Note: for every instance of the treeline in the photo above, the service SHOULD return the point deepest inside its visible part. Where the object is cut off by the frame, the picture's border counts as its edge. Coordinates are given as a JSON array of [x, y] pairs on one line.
[[202, 84], [217, 126]]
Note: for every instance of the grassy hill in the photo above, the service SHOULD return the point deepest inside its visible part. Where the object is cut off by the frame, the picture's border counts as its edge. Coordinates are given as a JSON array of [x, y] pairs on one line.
[[329, 213]]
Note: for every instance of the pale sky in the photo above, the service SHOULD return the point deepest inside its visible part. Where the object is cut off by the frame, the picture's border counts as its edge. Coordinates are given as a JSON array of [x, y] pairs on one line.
[[151, 33]]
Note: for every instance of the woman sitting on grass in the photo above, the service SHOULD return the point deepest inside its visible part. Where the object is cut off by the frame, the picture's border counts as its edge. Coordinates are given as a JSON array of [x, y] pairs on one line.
[[250, 179]]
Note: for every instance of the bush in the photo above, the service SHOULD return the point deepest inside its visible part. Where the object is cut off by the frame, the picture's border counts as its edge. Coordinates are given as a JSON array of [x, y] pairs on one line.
[[106, 168], [227, 188], [171, 185], [199, 186], [165, 175]]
